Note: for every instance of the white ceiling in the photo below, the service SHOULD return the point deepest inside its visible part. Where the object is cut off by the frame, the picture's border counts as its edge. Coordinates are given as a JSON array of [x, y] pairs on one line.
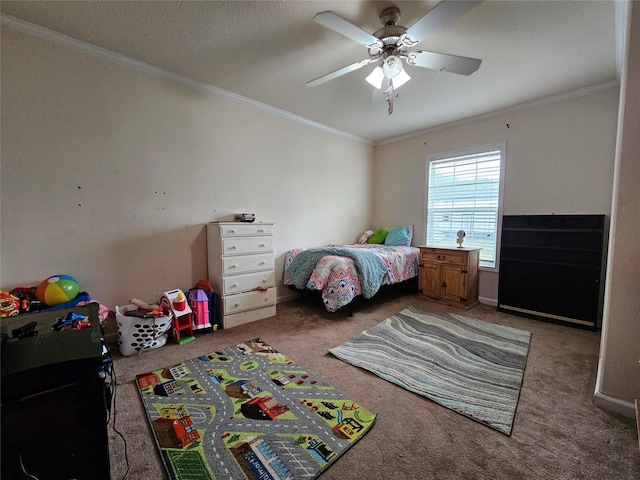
[[267, 51]]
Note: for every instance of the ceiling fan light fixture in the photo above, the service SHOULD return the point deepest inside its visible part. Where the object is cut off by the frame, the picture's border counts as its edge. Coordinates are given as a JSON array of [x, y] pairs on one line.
[[400, 79], [375, 78], [392, 66]]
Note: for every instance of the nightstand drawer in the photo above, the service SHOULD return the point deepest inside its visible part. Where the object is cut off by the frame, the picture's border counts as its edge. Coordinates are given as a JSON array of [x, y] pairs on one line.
[[248, 281], [243, 229], [449, 257], [243, 245], [248, 301], [247, 263]]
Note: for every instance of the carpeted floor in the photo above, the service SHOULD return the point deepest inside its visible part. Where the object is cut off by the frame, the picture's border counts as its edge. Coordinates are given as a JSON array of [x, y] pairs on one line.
[[558, 433]]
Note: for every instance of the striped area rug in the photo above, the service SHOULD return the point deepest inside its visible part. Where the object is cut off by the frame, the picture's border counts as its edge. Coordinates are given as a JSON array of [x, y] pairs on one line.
[[467, 365]]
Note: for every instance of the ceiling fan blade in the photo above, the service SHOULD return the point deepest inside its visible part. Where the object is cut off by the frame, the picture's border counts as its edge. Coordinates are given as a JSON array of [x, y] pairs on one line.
[[335, 22], [439, 16], [441, 61], [339, 72]]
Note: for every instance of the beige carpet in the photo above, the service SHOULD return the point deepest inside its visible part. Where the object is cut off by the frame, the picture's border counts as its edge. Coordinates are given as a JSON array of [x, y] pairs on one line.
[[558, 433]]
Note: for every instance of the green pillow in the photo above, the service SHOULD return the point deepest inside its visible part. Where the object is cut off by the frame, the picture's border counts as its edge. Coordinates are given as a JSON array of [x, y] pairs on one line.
[[378, 236]]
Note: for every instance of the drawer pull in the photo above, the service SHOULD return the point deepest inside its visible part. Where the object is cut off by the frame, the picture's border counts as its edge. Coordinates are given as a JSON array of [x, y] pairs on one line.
[[263, 263], [263, 245], [236, 304], [234, 285], [233, 266], [232, 230], [261, 230], [441, 257], [233, 247]]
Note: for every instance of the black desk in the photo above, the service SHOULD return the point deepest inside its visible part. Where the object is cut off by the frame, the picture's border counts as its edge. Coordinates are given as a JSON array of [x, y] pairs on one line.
[[54, 402]]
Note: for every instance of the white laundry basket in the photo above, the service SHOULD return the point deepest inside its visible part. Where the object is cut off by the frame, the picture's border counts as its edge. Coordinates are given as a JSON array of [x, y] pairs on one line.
[[137, 334]]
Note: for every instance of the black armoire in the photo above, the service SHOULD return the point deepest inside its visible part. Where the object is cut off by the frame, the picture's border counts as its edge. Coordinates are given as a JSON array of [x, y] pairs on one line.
[[552, 268]]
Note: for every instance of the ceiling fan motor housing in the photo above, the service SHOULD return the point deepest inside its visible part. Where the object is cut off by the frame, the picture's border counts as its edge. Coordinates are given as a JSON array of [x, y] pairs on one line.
[[393, 40]]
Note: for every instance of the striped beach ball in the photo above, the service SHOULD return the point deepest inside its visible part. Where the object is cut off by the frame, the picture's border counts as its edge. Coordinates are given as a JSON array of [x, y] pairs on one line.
[[57, 289]]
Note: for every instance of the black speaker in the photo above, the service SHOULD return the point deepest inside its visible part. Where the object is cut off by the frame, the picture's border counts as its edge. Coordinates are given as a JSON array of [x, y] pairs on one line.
[[55, 401]]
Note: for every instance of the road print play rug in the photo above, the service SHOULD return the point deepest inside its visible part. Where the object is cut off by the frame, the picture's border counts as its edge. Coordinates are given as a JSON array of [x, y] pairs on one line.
[[467, 365], [248, 412]]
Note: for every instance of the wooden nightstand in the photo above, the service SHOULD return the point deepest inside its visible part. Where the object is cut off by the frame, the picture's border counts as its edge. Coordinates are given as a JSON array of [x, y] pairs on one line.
[[449, 275]]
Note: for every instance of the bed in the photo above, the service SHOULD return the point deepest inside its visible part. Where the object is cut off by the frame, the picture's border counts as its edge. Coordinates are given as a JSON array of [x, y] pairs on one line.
[[343, 272]]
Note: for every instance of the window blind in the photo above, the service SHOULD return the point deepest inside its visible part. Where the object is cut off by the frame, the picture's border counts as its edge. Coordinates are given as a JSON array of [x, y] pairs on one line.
[[464, 194]]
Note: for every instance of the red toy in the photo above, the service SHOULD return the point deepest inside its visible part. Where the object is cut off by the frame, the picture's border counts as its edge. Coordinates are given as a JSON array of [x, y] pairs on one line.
[[176, 302]]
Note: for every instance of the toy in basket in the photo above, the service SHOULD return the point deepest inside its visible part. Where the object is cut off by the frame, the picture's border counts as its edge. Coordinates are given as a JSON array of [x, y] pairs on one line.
[[138, 331], [176, 302]]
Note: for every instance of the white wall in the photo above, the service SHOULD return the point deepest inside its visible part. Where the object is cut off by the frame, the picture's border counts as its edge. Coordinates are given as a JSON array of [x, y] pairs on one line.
[[559, 160], [109, 175], [618, 382]]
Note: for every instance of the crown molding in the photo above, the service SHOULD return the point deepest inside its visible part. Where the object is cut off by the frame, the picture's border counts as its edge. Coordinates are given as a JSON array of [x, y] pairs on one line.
[[113, 57], [513, 109]]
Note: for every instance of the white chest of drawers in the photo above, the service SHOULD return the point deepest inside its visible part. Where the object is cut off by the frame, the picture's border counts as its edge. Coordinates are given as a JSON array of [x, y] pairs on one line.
[[241, 270]]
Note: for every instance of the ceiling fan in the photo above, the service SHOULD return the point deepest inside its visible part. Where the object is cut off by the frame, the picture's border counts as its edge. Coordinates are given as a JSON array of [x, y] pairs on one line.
[[392, 44]]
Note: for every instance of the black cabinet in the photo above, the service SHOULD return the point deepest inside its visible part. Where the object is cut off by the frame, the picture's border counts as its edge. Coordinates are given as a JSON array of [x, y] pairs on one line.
[[54, 400], [552, 267]]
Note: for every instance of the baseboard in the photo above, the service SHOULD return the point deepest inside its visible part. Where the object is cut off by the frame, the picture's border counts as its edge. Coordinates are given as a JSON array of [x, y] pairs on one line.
[[488, 301], [638, 419], [615, 405]]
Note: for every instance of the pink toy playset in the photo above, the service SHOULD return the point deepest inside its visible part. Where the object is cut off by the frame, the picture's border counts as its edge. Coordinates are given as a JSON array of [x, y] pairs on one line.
[[199, 303]]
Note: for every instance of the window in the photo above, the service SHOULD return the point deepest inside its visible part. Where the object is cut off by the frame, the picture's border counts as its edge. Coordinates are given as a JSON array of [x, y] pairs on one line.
[[464, 192]]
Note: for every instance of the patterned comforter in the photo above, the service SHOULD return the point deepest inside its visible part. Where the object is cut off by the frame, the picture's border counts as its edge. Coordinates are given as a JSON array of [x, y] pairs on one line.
[[337, 277]]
